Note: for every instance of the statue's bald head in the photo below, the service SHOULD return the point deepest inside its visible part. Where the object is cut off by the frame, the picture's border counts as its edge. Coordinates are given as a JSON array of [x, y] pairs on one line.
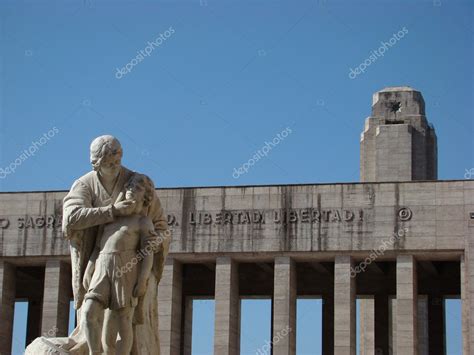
[[105, 150]]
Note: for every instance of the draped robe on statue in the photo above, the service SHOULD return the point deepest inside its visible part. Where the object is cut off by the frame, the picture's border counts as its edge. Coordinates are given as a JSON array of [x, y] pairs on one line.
[[86, 207]]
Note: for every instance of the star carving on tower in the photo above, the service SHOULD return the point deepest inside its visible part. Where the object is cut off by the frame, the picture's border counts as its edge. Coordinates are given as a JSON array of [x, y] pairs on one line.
[[395, 106]]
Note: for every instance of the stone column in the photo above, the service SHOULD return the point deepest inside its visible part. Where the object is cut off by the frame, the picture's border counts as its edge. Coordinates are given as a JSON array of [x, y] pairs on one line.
[[436, 328], [406, 316], [392, 340], [284, 307], [227, 317], [188, 325], [7, 305], [465, 306], [169, 307], [381, 324], [468, 308], [367, 326], [33, 324], [56, 299], [344, 307], [328, 324], [423, 326]]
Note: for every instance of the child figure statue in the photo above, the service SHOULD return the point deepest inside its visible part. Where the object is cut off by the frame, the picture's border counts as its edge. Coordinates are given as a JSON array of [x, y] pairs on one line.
[[117, 273]]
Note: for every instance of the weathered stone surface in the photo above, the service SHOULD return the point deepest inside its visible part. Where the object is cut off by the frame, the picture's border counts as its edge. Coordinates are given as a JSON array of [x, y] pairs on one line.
[[398, 144], [407, 302], [439, 217], [232, 242], [169, 309], [344, 306], [54, 346], [227, 307], [284, 307], [7, 304]]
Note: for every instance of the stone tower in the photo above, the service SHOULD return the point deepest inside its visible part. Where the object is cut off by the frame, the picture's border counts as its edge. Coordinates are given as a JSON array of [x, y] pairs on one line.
[[398, 143]]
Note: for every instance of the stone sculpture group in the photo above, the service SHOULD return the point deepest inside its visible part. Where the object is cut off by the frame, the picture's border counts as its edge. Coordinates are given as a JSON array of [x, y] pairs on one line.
[[119, 240]]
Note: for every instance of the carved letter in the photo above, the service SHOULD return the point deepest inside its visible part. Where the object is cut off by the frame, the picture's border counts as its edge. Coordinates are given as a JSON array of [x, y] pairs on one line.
[[326, 215], [40, 222], [245, 218], [207, 218], [348, 215], [304, 216], [4, 223], [276, 217], [336, 217], [293, 217], [316, 216]]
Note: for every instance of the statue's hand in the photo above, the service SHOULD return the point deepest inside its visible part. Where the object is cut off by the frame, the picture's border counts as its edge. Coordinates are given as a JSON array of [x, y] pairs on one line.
[[123, 207], [140, 289]]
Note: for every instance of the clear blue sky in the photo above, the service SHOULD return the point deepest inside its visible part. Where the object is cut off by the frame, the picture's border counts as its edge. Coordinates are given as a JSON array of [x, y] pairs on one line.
[[232, 75]]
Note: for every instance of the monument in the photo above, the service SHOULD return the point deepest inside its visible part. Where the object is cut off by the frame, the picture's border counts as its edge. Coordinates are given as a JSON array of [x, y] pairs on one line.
[[399, 242], [117, 233]]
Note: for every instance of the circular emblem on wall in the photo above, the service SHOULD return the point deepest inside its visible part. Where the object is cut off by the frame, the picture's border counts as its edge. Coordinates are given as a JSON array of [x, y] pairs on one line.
[[404, 214]]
